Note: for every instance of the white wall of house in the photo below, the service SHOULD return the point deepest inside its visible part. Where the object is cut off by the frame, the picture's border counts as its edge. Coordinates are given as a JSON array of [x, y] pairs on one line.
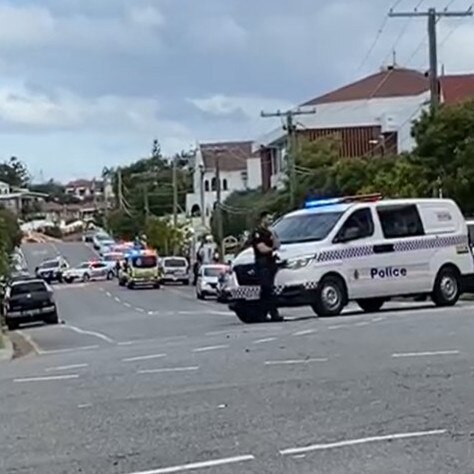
[[393, 114], [4, 188], [231, 181]]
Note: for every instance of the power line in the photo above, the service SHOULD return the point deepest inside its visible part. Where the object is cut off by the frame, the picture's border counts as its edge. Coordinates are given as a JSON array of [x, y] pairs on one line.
[[432, 16]]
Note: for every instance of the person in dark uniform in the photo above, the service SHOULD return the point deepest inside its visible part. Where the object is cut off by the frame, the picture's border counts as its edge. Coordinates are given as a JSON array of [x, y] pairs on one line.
[[264, 243]]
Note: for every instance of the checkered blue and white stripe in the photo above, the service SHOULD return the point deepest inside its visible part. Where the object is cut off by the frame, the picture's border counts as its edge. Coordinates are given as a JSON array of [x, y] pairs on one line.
[[343, 254], [250, 293]]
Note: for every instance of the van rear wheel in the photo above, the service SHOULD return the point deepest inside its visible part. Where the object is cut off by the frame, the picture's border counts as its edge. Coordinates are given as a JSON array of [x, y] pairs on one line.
[[371, 305], [447, 287]]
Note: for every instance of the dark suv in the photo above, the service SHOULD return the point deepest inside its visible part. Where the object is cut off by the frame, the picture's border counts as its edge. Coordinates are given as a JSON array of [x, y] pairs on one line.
[[29, 300]]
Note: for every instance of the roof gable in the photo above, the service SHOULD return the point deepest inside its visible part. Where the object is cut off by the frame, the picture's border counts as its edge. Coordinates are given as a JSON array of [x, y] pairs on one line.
[[232, 156], [457, 88], [391, 82]]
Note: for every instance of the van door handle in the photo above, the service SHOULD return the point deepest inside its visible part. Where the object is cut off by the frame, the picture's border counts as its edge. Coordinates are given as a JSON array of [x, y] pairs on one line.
[[383, 248]]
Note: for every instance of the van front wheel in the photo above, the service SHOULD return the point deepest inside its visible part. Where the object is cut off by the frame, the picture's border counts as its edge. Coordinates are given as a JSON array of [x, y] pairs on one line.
[[331, 296], [446, 290]]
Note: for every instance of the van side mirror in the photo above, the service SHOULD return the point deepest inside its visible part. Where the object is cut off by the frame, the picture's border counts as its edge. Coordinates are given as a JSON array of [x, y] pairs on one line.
[[347, 235]]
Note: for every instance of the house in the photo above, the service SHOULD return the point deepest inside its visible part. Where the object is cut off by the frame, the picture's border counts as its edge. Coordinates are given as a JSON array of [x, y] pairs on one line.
[[84, 189], [370, 117], [239, 170], [20, 201]]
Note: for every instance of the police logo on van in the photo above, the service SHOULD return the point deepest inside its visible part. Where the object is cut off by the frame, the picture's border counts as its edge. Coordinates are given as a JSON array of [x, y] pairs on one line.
[[388, 272]]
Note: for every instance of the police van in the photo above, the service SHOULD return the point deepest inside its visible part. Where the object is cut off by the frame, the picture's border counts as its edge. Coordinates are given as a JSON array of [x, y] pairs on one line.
[[364, 249]]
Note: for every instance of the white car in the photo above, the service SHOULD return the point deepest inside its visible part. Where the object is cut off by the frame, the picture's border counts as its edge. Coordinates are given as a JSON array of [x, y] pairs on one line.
[[363, 249], [99, 240], [208, 279], [88, 271], [175, 269], [111, 259]]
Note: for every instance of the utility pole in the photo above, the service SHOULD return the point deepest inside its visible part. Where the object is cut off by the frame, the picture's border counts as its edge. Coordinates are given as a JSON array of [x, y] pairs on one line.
[[175, 195], [119, 189], [433, 16], [291, 144], [220, 223], [146, 203], [201, 181]]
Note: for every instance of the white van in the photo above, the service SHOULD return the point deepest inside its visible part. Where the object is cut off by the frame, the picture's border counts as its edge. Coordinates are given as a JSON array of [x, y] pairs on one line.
[[363, 249]]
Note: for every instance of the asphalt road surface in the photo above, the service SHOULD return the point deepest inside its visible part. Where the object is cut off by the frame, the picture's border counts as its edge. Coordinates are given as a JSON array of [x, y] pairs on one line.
[[153, 381]]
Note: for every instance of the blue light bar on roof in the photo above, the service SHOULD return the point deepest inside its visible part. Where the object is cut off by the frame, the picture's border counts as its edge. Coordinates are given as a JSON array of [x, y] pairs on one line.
[[322, 202]]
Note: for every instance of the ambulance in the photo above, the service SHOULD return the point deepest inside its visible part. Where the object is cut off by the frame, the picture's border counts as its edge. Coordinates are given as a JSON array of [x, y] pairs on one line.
[[140, 268], [363, 249]]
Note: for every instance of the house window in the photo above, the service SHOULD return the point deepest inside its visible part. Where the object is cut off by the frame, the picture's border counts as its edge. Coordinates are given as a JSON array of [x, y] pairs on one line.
[[213, 184], [206, 185], [224, 185]]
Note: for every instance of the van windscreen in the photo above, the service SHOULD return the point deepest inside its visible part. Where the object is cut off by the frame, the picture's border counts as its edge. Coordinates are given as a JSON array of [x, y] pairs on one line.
[[306, 227]]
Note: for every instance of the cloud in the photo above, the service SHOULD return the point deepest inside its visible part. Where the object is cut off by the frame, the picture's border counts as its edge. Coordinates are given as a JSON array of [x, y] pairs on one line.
[[249, 107]]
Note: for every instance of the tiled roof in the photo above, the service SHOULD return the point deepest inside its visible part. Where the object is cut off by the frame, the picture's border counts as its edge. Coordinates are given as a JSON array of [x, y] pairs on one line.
[[79, 183], [232, 155], [457, 88], [391, 82]]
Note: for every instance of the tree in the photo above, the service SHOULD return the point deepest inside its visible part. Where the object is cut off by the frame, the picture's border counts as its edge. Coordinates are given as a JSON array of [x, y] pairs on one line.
[[10, 238], [14, 172]]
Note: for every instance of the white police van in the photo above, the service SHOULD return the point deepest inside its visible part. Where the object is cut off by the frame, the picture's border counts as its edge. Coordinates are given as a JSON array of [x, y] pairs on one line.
[[362, 249]]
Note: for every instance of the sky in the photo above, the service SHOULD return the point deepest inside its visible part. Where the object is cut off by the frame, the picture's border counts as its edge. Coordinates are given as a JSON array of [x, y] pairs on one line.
[[90, 83]]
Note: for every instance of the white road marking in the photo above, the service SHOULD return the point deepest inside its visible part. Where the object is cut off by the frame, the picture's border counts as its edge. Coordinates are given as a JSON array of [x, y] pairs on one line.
[[168, 369], [117, 299], [376, 320], [126, 343], [99, 335], [338, 326], [140, 310], [73, 349], [224, 313], [217, 333], [146, 357], [353, 442], [32, 343], [424, 354], [362, 323], [66, 367], [128, 305], [199, 465], [210, 348], [47, 379], [293, 361], [108, 293], [150, 313], [85, 405], [306, 332], [266, 339]]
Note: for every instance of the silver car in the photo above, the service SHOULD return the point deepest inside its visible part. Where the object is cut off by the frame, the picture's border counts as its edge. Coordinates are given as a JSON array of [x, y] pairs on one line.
[[87, 271], [208, 279]]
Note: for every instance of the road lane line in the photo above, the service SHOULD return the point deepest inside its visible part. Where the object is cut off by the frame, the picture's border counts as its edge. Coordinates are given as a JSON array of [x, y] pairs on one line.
[[47, 379], [293, 361], [217, 333], [146, 357], [376, 320], [210, 348], [424, 354], [150, 313], [198, 465], [140, 310], [266, 339], [108, 293], [99, 335], [66, 367], [30, 341], [362, 323], [353, 442], [168, 369], [306, 332], [117, 299], [338, 326], [84, 405], [224, 313], [72, 349], [128, 305]]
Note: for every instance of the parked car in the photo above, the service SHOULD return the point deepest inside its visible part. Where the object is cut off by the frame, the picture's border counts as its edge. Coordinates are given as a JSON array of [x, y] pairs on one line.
[[29, 300], [88, 271], [100, 239], [208, 279], [52, 270], [175, 270]]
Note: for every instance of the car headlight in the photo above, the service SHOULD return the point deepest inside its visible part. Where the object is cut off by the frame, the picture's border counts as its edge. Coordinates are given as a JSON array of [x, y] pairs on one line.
[[299, 262]]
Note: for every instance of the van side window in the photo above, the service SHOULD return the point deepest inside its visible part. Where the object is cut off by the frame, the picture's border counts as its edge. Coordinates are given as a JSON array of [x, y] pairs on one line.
[[400, 221], [358, 225]]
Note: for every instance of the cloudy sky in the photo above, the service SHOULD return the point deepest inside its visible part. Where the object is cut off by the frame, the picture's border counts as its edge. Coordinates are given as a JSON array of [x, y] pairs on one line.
[[90, 83]]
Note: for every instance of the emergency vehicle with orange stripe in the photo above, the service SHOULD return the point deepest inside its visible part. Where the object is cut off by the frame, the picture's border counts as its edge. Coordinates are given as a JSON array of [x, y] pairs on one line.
[[364, 249]]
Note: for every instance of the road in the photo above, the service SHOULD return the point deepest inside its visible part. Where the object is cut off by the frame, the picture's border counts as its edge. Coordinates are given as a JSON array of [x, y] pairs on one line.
[[153, 381]]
